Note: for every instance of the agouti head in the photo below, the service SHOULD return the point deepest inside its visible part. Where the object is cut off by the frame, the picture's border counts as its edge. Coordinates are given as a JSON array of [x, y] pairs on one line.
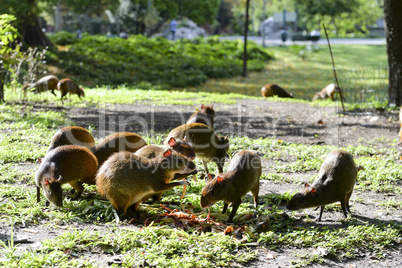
[[221, 152], [182, 147], [302, 199], [81, 92], [208, 110], [176, 163], [52, 186], [212, 191]]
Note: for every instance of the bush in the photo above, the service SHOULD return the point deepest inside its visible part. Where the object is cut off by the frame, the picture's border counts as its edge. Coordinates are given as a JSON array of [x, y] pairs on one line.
[[63, 38], [98, 60]]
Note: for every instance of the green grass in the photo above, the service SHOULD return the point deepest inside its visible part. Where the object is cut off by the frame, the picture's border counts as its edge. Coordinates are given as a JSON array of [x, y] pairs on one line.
[[302, 77]]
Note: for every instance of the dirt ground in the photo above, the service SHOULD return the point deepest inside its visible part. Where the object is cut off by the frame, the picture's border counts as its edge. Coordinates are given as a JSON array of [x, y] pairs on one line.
[[290, 122]]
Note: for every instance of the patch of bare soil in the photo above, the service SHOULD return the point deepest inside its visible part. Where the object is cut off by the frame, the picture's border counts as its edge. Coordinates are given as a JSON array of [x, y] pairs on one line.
[[295, 123]]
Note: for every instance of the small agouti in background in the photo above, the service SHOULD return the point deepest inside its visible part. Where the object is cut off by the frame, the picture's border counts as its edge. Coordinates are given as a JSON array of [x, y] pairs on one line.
[[205, 116], [243, 175], [67, 85], [180, 146], [207, 145], [274, 90], [335, 182], [46, 83], [400, 125], [65, 164], [72, 135], [327, 92], [127, 179], [122, 141]]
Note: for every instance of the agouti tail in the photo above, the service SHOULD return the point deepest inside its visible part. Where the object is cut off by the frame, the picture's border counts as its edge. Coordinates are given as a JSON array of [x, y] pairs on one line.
[[243, 175], [274, 90], [72, 135], [335, 182], [207, 145], [127, 179], [65, 164], [205, 116], [122, 141], [46, 83]]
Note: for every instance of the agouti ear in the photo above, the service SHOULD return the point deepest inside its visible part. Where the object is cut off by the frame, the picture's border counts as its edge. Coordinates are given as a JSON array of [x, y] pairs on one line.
[[227, 137], [172, 142], [219, 179], [46, 181], [313, 191], [306, 185], [167, 153], [212, 106]]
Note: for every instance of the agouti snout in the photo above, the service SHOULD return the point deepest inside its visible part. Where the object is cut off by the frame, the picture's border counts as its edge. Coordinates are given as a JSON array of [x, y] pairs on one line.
[[335, 182], [243, 175]]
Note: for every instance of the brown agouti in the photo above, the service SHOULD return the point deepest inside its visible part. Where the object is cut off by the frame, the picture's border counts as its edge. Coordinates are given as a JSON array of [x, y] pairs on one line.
[[180, 146], [243, 175], [207, 145], [335, 182], [205, 116], [67, 85], [65, 164], [72, 135], [46, 83], [274, 90], [127, 179], [122, 141], [400, 125], [327, 92]]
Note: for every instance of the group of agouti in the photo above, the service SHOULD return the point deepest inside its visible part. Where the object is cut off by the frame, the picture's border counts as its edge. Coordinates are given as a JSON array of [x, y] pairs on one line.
[[127, 171], [51, 82], [327, 92]]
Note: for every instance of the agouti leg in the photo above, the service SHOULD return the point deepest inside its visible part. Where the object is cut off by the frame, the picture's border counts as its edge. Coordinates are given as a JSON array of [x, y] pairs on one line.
[[321, 211], [347, 201], [204, 163], [52, 91], [235, 206], [344, 207], [157, 196], [225, 207], [37, 194], [255, 192], [77, 185]]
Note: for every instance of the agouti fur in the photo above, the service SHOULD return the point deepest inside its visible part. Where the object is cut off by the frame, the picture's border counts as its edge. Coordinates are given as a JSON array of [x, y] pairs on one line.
[[122, 141], [72, 135], [243, 175], [335, 182], [205, 116], [180, 146], [327, 92], [274, 90], [127, 179], [67, 85], [400, 125], [46, 83], [207, 145], [65, 164]]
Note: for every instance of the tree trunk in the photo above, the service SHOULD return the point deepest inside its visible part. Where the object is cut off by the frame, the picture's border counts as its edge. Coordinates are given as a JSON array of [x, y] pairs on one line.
[[1, 89], [244, 73], [31, 31], [58, 18], [393, 35]]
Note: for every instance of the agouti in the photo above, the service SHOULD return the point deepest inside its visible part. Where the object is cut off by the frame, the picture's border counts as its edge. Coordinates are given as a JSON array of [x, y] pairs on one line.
[[326, 92], [274, 90], [243, 175], [335, 182], [205, 116], [180, 146], [122, 141], [65, 164], [400, 125], [207, 145], [67, 85], [72, 135], [46, 83], [127, 179]]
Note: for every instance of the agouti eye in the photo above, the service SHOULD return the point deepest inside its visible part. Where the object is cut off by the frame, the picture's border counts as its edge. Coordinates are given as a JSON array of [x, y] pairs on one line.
[[301, 200]]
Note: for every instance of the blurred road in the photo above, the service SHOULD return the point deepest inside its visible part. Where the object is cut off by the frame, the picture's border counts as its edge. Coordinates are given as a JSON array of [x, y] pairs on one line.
[[322, 41]]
